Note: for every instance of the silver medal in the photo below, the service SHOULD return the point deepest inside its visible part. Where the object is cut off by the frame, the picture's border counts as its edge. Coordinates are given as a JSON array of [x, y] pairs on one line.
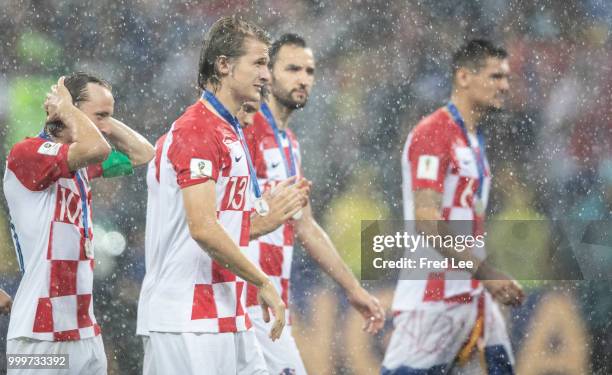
[[297, 215], [479, 207], [89, 251], [261, 206]]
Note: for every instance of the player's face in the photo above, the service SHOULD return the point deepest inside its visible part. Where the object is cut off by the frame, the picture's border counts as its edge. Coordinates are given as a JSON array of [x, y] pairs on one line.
[[98, 107], [100, 104], [293, 76], [489, 86], [247, 112], [249, 73]]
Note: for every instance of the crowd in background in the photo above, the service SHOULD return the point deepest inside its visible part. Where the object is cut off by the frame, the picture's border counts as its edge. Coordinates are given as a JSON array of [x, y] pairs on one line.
[[380, 68]]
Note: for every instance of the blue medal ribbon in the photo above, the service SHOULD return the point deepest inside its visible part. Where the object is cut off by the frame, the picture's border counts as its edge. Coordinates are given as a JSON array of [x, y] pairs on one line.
[[480, 157], [44, 135], [289, 165], [233, 121], [80, 185]]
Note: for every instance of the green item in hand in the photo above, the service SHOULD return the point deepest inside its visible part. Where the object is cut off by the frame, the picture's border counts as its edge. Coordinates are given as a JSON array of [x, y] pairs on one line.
[[117, 164]]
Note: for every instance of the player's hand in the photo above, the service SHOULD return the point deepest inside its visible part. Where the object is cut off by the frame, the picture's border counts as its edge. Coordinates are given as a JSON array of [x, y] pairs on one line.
[[369, 307], [290, 195], [285, 200], [302, 187], [58, 102], [268, 299], [502, 287], [5, 302], [507, 292]]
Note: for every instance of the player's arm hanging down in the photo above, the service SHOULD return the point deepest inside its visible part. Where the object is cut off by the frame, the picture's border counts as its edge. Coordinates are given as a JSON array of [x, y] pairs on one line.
[[199, 201], [502, 287], [320, 247], [285, 200], [5, 302]]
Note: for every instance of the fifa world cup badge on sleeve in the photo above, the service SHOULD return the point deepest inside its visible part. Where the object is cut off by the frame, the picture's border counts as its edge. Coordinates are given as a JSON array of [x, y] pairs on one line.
[[261, 206]]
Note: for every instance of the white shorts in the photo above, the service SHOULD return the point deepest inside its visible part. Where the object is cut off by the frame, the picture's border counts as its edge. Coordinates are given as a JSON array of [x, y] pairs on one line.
[[282, 356], [190, 353], [148, 367], [429, 339], [85, 356]]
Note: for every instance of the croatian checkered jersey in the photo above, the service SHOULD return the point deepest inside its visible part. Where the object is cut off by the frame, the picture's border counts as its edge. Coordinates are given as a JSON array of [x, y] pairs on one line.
[[192, 292], [50, 210], [437, 156], [272, 252]]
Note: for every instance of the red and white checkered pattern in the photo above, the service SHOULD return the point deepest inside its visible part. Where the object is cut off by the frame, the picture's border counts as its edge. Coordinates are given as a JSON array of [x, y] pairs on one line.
[[191, 292], [54, 300], [273, 252], [437, 156]]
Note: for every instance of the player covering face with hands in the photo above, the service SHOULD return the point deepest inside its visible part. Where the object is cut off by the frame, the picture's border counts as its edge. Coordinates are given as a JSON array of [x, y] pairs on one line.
[[93, 97], [47, 184]]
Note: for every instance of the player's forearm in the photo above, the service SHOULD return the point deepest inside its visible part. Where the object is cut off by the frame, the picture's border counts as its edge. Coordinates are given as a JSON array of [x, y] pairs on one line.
[[5, 302], [128, 141], [260, 225], [218, 244], [320, 247], [89, 145]]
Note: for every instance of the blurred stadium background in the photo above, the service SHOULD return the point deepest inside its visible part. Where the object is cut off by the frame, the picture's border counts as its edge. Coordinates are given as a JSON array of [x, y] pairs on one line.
[[380, 67]]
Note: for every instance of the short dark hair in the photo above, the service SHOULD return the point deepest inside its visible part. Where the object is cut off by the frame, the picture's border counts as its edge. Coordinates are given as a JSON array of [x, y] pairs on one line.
[[76, 83], [225, 38], [473, 54], [285, 39]]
